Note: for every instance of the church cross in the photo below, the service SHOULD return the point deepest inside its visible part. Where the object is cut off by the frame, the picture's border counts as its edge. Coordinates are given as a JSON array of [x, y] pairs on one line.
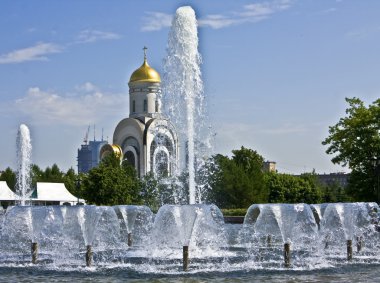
[[145, 48]]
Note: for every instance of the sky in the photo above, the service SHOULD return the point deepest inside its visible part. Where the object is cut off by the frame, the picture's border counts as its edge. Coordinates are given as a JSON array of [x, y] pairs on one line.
[[275, 72]]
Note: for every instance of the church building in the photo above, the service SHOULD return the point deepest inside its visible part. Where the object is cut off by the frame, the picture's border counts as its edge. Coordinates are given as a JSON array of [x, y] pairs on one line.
[[145, 139]]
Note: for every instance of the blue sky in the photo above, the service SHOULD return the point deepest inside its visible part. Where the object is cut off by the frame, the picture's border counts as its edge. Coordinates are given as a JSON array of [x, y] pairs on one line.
[[276, 72]]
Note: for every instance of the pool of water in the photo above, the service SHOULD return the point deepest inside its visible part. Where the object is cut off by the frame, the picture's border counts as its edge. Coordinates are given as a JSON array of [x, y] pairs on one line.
[[122, 273]]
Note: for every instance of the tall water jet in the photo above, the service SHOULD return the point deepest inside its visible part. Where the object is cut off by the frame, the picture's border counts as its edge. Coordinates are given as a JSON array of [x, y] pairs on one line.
[[183, 90], [24, 154]]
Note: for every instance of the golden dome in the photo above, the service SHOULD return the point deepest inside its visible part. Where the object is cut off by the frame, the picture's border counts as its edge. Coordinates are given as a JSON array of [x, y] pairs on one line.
[[145, 73], [108, 149]]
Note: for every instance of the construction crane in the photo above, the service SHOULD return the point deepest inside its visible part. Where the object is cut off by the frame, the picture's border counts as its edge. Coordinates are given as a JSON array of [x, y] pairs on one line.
[[85, 140]]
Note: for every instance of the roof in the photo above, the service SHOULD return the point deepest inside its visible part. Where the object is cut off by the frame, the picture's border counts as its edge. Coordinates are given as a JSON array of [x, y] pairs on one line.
[[145, 74], [6, 193], [52, 192]]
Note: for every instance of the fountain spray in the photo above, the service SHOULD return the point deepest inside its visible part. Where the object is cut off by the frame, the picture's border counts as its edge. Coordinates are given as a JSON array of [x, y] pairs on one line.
[[24, 154], [183, 87]]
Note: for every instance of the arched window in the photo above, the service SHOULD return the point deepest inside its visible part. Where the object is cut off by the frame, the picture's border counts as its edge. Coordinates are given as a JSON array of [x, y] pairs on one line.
[[130, 157], [133, 106], [145, 105], [161, 155]]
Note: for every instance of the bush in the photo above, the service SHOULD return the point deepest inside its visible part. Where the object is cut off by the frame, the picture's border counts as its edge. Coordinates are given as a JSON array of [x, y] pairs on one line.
[[234, 212]]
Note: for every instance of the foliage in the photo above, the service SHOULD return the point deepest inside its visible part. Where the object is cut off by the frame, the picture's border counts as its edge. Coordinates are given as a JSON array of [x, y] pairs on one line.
[[55, 175], [284, 188], [335, 193], [234, 212], [237, 182], [355, 142], [111, 183], [10, 177], [149, 192]]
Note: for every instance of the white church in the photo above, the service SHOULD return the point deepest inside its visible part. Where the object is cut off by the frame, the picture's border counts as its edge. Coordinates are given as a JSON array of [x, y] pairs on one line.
[[146, 139]]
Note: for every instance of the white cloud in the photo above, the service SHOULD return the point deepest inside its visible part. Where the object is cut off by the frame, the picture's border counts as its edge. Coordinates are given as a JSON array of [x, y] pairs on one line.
[[33, 53], [250, 13], [50, 108], [87, 36], [154, 21], [39, 51], [87, 87], [218, 21]]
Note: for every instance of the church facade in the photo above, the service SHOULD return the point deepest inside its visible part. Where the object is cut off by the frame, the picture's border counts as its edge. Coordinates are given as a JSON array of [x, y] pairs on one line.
[[145, 139]]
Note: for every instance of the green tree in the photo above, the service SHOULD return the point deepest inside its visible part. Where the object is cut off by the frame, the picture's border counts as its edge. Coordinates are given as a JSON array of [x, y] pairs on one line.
[[237, 182], [156, 191], [36, 175], [355, 142], [149, 191], [10, 177], [70, 180], [285, 188], [334, 193], [111, 183], [53, 174]]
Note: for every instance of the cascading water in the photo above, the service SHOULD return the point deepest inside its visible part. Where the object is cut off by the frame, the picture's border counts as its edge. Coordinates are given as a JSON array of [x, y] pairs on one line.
[[183, 93], [24, 154], [63, 232]]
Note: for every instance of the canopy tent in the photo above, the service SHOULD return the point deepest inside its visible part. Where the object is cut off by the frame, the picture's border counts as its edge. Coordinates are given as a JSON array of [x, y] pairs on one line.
[[6, 193], [53, 193]]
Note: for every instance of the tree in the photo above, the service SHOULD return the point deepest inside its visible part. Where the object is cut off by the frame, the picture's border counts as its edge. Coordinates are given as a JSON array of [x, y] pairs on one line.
[[334, 193], [156, 191], [284, 188], [37, 175], [355, 142], [10, 177], [237, 182], [111, 183], [70, 180], [149, 191], [53, 175]]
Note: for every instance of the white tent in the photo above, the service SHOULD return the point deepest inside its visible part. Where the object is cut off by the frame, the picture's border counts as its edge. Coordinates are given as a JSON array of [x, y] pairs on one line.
[[6, 193], [53, 192]]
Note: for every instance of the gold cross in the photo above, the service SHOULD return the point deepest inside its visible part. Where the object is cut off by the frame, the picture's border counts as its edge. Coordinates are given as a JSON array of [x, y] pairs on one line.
[[145, 49]]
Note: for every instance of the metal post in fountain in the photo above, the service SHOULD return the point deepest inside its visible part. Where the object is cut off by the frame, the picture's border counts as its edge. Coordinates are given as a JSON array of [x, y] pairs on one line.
[[346, 221], [179, 227], [349, 250], [89, 255], [34, 252], [359, 243], [88, 219], [269, 240], [287, 256], [134, 220], [270, 224], [185, 257]]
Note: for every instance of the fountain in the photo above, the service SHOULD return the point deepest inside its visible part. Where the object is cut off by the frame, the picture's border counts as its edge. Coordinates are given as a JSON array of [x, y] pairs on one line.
[[189, 237], [183, 93], [24, 153]]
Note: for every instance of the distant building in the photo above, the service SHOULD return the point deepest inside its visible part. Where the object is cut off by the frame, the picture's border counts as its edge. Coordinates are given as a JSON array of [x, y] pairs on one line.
[[88, 155], [339, 178], [269, 166]]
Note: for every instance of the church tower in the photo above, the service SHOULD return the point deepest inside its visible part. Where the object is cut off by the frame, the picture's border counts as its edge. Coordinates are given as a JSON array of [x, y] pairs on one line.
[[146, 139]]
